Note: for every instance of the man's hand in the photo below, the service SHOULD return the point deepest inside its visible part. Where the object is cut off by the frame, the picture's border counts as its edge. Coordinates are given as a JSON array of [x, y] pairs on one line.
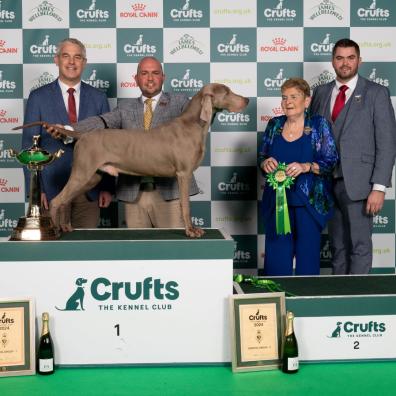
[[104, 199], [375, 201], [44, 201], [54, 131]]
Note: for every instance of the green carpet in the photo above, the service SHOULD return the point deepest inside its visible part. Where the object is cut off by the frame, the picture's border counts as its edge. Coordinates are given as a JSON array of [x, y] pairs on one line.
[[336, 379]]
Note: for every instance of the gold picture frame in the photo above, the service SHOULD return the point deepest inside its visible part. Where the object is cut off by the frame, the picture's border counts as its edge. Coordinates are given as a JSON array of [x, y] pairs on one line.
[[257, 330], [17, 337]]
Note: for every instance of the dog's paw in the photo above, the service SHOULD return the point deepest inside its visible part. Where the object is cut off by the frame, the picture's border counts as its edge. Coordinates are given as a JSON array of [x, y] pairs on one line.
[[194, 232]]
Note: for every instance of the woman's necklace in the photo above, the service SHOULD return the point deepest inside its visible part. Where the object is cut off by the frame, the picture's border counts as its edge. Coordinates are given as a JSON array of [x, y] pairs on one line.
[[292, 131]]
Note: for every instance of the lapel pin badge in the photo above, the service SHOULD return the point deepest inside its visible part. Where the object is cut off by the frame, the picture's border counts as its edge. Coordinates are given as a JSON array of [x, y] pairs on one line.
[[358, 98]]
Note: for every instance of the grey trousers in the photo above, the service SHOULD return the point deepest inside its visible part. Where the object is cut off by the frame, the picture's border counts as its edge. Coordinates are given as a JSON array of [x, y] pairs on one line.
[[350, 233]]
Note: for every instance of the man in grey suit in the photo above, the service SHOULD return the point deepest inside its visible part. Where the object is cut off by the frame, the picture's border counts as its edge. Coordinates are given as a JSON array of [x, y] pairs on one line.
[[363, 122], [149, 202]]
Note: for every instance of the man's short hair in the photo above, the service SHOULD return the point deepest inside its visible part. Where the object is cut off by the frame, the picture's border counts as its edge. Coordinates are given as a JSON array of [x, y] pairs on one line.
[[344, 43], [71, 41]]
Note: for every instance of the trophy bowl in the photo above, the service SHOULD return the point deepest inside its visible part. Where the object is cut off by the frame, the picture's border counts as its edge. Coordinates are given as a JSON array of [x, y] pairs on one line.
[[36, 225]]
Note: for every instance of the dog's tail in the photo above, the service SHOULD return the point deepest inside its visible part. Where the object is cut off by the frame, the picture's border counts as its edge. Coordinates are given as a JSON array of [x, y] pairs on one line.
[[55, 129]]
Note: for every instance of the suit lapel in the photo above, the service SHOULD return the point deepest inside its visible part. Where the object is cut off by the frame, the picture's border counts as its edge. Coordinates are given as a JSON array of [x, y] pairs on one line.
[[160, 110], [326, 111], [59, 104], [138, 110], [84, 102]]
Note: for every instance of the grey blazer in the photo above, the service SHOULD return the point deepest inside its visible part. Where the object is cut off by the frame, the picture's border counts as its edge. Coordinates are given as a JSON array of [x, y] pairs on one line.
[[129, 115], [365, 132]]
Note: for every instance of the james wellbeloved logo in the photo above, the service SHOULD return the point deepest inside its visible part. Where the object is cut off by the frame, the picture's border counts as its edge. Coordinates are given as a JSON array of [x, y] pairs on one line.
[[146, 294], [187, 42], [323, 78], [231, 45], [132, 46], [191, 13], [328, 8], [43, 79], [280, 13], [356, 329], [45, 8], [92, 13]]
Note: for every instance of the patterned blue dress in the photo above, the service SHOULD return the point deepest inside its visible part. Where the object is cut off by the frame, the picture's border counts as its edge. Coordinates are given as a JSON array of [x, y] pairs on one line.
[[309, 198]]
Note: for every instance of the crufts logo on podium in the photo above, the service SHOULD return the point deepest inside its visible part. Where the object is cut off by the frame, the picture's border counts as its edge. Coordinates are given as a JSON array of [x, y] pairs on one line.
[[357, 329], [119, 295]]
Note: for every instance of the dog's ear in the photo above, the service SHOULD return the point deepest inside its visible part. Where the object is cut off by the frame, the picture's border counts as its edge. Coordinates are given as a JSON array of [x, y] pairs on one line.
[[207, 108]]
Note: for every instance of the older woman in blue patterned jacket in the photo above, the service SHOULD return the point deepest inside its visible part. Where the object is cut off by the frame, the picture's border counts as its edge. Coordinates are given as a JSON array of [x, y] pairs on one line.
[[298, 154]]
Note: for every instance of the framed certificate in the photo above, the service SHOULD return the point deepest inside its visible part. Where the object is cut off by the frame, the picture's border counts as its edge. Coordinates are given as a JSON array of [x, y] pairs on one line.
[[17, 337], [257, 322]]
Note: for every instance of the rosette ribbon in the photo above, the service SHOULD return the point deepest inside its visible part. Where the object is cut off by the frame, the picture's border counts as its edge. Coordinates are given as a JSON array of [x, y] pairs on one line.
[[261, 283], [279, 181]]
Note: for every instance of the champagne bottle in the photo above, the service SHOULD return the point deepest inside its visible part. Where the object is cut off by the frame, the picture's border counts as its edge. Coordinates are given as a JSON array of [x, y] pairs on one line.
[[290, 347], [45, 355]]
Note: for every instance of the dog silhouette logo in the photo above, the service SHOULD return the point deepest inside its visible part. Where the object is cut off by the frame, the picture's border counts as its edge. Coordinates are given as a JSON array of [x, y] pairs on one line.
[[76, 300], [337, 331]]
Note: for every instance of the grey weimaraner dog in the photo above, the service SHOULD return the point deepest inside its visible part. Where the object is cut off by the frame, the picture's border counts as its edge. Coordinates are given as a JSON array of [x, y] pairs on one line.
[[175, 148]]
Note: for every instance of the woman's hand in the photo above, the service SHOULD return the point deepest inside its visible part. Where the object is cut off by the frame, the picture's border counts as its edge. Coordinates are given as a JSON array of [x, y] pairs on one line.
[[295, 169], [269, 165]]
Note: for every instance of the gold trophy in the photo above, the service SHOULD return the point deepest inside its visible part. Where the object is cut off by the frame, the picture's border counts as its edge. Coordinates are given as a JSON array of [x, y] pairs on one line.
[[35, 226]]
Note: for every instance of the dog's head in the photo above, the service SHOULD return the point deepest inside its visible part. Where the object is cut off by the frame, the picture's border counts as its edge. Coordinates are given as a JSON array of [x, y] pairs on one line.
[[217, 97], [80, 281]]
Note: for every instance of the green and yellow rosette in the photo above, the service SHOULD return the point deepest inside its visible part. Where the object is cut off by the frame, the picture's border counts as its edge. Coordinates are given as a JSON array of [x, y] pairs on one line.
[[279, 181]]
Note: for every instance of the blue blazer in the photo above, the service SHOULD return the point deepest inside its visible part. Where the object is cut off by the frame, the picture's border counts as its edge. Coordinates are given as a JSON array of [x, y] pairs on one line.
[[314, 191], [46, 104]]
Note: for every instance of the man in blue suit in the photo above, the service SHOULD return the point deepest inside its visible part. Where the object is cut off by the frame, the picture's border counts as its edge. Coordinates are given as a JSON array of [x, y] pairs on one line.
[[66, 100]]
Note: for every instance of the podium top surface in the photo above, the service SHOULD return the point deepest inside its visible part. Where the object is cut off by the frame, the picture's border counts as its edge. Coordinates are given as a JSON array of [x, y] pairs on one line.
[[122, 244]]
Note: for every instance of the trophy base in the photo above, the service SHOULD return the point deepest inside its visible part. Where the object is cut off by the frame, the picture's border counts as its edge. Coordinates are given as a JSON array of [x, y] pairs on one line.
[[34, 229]]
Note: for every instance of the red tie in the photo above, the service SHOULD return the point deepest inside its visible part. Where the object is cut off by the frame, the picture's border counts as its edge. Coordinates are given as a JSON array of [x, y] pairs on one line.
[[339, 102], [72, 106]]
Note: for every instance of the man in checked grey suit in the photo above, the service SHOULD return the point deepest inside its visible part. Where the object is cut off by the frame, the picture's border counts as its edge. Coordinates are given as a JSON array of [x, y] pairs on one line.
[[148, 202], [365, 132]]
